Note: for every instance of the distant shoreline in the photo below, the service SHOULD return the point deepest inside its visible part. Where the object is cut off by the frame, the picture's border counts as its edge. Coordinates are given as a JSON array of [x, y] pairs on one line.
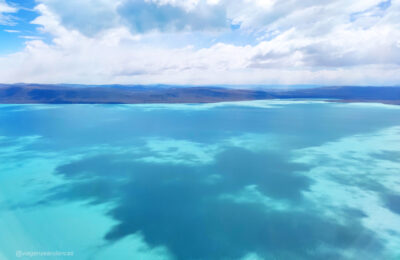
[[385, 102], [62, 94]]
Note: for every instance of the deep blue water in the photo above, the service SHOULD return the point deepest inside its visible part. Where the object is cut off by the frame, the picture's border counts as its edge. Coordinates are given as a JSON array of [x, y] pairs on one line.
[[246, 180]]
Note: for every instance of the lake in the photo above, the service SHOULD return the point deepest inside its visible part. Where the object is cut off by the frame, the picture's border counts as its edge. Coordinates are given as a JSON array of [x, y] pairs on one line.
[[237, 180]]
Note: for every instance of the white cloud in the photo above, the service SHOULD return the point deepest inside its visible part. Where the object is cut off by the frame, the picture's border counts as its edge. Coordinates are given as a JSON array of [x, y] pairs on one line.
[[30, 37], [329, 42], [141, 16], [4, 9], [12, 31]]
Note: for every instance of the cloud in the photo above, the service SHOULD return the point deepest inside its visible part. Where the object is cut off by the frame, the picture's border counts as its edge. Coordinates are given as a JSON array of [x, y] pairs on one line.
[[12, 31], [91, 17], [147, 16], [6, 8], [191, 42], [30, 37], [88, 16], [340, 48]]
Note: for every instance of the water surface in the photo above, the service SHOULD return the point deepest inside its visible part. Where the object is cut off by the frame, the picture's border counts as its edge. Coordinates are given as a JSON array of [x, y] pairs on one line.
[[241, 180]]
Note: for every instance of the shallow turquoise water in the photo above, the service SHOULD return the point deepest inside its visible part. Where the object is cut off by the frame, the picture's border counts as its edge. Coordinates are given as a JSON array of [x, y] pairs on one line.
[[244, 180]]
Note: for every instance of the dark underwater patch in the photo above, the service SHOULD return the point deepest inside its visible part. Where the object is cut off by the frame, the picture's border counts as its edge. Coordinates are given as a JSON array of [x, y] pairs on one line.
[[273, 174], [392, 201], [174, 206], [388, 155]]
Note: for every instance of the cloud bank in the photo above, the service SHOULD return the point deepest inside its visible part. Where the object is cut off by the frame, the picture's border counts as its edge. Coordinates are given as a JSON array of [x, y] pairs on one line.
[[211, 42]]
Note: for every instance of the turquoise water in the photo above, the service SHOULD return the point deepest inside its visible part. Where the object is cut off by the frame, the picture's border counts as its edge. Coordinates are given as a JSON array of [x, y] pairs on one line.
[[245, 180]]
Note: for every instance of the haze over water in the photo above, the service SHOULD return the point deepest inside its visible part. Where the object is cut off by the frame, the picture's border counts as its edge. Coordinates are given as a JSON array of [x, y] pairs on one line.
[[242, 180]]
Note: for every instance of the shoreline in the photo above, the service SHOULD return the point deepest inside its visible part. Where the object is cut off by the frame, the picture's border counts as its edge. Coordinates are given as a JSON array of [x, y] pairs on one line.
[[57, 94]]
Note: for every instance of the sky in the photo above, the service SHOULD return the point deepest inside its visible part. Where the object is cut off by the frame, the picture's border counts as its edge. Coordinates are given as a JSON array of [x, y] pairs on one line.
[[198, 42]]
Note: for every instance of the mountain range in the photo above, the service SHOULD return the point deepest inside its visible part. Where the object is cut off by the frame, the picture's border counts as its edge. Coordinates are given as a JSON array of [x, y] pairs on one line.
[[139, 94]]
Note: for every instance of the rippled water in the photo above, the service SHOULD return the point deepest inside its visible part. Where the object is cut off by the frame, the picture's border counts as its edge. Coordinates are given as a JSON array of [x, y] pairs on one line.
[[244, 180]]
